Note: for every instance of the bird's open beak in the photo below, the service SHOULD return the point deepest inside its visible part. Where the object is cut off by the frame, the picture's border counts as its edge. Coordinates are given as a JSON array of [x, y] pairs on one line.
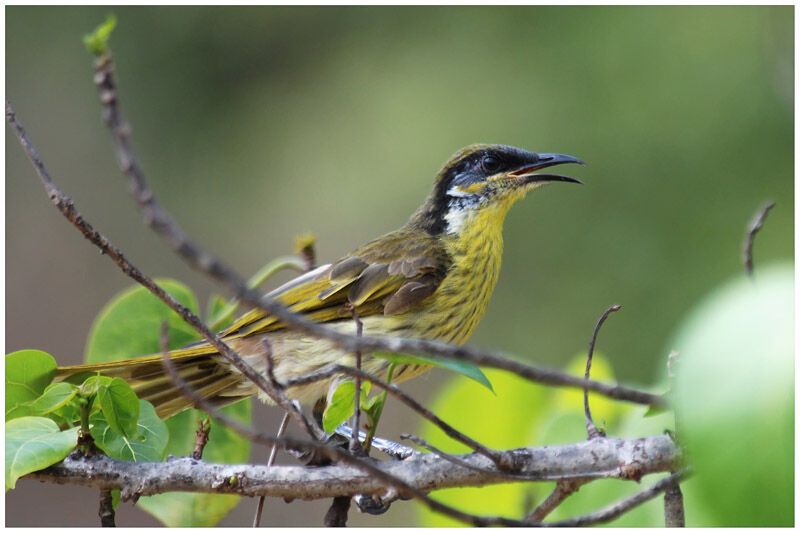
[[526, 174]]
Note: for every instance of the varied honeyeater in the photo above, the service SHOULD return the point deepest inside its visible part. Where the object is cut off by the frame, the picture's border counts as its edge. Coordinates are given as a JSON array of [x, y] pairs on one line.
[[430, 279]]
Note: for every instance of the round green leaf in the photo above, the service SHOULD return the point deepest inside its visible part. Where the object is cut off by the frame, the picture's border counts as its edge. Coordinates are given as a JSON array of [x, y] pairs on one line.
[[130, 324], [147, 444], [28, 372], [34, 443], [734, 399]]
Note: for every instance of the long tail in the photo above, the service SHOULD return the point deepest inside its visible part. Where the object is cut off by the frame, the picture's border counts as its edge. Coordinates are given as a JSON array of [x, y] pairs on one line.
[[198, 365]]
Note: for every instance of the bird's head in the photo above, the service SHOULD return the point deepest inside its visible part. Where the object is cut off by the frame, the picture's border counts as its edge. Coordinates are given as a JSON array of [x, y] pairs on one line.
[[485, 176]]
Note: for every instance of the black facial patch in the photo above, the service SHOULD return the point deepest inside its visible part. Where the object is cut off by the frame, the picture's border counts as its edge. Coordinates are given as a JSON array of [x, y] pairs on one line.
[[473, 167], [481, 164]]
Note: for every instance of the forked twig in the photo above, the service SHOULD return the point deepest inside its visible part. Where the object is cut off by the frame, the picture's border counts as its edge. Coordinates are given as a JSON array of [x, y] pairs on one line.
[[613, 511]]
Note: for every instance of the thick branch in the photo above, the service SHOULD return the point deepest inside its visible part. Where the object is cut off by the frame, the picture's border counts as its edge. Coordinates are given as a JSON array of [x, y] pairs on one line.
[[598, 458]]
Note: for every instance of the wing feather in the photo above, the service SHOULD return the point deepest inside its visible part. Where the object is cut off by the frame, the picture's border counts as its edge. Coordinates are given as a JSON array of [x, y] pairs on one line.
[[390, 275]]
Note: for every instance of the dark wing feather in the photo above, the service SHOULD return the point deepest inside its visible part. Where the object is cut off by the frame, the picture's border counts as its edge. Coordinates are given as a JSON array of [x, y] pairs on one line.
[[390, 275]]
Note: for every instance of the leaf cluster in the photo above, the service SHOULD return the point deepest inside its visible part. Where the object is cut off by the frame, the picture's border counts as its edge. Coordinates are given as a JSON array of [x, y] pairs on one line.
[[43, 418]]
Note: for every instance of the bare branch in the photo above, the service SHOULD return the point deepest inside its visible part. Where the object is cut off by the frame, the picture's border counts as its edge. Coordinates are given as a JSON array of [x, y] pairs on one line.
[[337, 513], [595, 459], [106, 512], [674, 515], [154, 215], [201, 438], [563, 490], [591, 429], [613, 511], [755, 225]]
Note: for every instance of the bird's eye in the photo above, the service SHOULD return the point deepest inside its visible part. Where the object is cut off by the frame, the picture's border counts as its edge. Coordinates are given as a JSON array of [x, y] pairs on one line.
[[490, 164]]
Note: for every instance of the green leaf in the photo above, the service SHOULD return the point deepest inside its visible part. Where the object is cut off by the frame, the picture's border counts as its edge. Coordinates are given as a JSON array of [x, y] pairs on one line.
[[734, 398], [130, 324], [55, 396], [224, 446], [340, 408], [148, 444], [120, 406], [464, 368], [97, 41], [28, 372], [34, 443]]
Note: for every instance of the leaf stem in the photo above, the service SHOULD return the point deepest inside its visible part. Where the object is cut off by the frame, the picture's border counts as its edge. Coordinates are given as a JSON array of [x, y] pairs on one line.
[[374, 414]]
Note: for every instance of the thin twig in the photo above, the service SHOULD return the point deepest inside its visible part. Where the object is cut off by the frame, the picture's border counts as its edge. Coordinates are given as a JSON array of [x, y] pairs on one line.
[[201, 438], [591, 429], [419, 441], [67, 208], [154, 215], [755, 225], [203, 426], [613, 511], [272, 453], [106, 512], [355, 445], [497, 457], [564, 489]]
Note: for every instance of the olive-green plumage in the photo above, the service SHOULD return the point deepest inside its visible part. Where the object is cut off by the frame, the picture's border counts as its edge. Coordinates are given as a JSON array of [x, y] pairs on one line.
[[430, 279]]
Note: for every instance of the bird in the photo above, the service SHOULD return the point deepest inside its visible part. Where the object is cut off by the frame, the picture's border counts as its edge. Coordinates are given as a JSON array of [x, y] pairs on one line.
[[430, 279]]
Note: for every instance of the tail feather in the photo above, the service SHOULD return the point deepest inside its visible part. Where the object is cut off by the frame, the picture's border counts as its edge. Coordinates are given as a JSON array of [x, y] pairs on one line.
[[198, 366]]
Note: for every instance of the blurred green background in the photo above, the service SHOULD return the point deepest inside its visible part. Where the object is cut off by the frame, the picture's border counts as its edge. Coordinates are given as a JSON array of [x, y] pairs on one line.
[[256, 124]]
